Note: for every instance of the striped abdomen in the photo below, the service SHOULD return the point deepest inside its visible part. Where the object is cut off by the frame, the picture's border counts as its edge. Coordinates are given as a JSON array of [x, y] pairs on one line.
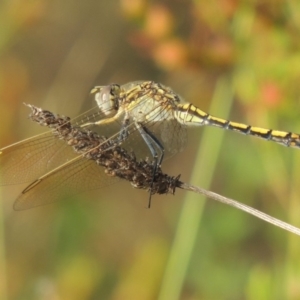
[[190, 115]]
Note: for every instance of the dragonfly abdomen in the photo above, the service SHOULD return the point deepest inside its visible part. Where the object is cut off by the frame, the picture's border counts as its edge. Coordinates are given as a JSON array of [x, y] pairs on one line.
[[190, 115]]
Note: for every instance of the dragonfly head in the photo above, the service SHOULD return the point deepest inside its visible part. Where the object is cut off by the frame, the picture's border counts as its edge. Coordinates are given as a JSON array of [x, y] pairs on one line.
[[107, 97]]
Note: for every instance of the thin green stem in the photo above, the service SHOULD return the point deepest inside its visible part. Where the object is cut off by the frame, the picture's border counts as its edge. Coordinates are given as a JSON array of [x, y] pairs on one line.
[[190, 218]]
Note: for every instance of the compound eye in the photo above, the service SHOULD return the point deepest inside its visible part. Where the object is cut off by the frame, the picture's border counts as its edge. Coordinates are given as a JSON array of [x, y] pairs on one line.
[[105, 97]]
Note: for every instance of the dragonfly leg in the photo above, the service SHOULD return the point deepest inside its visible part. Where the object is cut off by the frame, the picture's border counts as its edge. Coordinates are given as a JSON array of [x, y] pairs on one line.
[[104, 121], [98, 123], [153, 144], [123, 133]]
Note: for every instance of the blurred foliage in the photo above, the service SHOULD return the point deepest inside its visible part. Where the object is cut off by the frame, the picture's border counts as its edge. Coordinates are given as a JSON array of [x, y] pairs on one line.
[[53, 52]]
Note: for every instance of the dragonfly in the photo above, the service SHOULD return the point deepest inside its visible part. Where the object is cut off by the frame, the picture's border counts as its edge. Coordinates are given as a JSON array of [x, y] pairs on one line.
[[145, 117], [147, 104]]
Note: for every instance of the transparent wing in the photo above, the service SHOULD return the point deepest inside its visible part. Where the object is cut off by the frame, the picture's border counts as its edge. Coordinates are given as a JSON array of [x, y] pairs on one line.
[[71, 179], [27, 160]]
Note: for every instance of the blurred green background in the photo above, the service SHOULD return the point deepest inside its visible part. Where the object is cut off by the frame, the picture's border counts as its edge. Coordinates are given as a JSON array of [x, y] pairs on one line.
[[235, 59]]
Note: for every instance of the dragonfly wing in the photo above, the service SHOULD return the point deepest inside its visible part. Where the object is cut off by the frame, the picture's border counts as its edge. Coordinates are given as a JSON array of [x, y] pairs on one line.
[[71, 179], [29, 159], [174, 137]]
